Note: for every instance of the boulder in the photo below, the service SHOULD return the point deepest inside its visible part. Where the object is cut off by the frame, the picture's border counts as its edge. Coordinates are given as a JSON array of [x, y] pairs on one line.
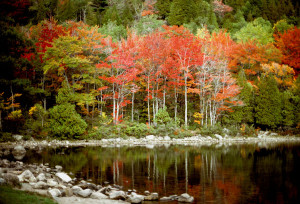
[[63, 177], [151, 197], [17, 137], [58, 168], [27, 176], [165, 199], [53, 193], [219, 137], [76, 189], [98, 195], [85, 193], [52, 183], [40, 185], [150, 137], [117, 195], [185, 198], [135, 198], [19, 152], [167, 138], [11, 179], [2, 181], [41, 177], [69, 192]]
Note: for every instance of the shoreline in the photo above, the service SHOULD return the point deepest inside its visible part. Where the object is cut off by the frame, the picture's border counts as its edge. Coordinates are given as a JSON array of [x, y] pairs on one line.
[[151, 141]]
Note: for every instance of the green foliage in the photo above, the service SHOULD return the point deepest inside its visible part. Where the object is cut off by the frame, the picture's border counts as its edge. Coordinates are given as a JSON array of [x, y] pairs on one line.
[[288, 109], [259, 30], [163, 7], [211, 130], [282, 26], [162, 117], [6, 137], [268, 103], [243, 113], [9, 195], [65, 122], [147, 24], [115, 31], [181, 11], [137, 129]]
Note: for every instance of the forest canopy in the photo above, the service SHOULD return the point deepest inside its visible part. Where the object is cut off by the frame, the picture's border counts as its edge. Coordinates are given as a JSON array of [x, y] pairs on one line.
[[94, 68]]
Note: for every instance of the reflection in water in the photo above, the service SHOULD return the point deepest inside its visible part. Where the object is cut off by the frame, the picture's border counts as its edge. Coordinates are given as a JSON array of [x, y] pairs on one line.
[[235, 174]]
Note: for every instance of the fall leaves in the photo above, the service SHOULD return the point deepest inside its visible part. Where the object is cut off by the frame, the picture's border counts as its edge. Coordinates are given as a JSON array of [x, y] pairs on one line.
[[163, 68]]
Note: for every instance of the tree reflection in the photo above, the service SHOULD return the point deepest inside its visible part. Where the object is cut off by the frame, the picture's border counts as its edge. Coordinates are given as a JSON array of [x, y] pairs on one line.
[[223, 174]]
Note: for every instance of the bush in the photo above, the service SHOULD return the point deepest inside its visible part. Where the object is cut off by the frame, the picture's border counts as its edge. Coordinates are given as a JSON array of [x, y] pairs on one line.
[[162, 117], [211, 130], [6, 137], [65, 122], [137, 129]]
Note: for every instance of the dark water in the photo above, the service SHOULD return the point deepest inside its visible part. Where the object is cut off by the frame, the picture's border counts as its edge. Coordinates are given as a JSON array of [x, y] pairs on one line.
[[232, 174]]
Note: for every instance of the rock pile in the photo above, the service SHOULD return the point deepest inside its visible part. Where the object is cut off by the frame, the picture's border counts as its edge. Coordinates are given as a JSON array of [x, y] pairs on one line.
[[58, 185]]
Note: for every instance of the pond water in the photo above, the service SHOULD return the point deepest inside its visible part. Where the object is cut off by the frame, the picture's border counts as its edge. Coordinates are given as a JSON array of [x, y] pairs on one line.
[[212, 174]]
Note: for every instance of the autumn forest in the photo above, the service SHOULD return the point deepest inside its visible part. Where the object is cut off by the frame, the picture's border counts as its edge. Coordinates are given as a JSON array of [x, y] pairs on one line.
[[80, 69]]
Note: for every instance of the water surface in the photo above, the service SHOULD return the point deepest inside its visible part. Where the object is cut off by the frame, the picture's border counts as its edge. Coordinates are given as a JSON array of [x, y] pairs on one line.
[[212, 174]]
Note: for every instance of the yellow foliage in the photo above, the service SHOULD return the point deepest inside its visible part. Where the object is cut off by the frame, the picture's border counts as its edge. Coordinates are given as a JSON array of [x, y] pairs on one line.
[[15, 115], [32, 110], [197, 117]]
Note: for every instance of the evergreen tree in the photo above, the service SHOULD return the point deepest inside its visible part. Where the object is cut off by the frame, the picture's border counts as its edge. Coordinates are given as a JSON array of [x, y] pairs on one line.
[[182, 11], [268, 105], [288, 109], [244, 113], [163, 7]]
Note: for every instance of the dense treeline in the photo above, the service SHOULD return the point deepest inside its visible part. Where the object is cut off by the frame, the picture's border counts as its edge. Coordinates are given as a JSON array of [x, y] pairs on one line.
[[100, 68]]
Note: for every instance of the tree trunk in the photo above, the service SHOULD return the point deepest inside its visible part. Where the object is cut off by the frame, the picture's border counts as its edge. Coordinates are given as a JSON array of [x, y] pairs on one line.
[[132, 106], [185, 100], [148, 102]]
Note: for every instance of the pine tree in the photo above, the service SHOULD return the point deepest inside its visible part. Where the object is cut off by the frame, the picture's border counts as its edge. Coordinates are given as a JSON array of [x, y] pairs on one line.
[[182, 11], [268, 103]]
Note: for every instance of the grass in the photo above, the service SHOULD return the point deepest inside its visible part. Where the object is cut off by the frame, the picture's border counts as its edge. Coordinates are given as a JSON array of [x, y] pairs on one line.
[[11, 196]]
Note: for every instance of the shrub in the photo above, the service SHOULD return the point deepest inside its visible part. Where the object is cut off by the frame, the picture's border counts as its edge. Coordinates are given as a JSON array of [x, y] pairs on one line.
[[65, 122], [137, 129]]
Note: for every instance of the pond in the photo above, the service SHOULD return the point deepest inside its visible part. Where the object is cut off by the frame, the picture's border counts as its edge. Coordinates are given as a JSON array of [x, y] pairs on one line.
[[212, 174]]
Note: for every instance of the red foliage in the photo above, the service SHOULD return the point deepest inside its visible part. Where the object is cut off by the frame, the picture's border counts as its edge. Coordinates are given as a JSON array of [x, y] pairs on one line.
[[289, 44]]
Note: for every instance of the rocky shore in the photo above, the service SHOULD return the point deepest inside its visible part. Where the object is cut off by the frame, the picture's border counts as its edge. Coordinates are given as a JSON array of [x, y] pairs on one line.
[[264, 137], [53, 182]]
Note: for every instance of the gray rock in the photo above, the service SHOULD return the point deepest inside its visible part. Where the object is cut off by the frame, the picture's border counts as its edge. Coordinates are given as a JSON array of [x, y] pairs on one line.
[[185, 198], [52, 183], [58, 168], [117, 195], [27, 176], [19, 152], [76, 189], [151, 197], [40, 185], [219, 137], [135, 198], [69, 192], [85, 193], [167, 138], [11, 179], [2, 181], [41, 177], [150, 137], [54, 193], [98, 195], [165, 199], [63, 177], [17, 137]]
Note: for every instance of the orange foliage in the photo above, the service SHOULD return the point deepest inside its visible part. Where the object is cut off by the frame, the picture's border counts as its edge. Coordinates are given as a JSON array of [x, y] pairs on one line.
[[289, 44]]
